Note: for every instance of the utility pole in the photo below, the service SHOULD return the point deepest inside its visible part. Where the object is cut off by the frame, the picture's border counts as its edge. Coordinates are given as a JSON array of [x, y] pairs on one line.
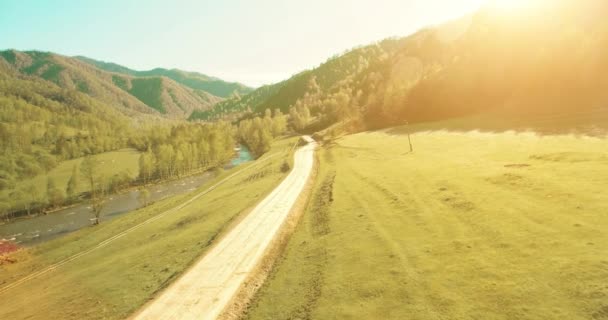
[[409, 139]]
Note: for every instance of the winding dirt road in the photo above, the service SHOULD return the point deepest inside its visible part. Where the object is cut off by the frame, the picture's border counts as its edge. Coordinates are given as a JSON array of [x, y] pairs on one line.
[[208, 287]]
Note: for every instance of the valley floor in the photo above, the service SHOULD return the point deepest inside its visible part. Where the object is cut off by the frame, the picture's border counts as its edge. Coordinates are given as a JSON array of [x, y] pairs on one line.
[[114, 280], [471, 225]]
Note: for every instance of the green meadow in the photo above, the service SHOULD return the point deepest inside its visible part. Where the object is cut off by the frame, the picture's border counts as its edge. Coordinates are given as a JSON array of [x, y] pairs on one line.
[[115, 280], [111, 163], [471, 225]]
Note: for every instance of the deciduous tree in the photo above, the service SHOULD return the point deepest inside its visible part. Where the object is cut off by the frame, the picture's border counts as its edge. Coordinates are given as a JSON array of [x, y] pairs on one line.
[[73, 184]]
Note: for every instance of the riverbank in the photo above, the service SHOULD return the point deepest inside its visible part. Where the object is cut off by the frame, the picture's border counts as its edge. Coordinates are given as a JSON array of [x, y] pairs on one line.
[[34, 229], [123, 164]]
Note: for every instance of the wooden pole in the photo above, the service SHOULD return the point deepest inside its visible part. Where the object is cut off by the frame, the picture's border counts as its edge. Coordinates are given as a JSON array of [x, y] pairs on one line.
[[409, 139]]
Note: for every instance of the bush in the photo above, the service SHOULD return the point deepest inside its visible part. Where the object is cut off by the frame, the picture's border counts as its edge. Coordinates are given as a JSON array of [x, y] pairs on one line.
[[218, 171]]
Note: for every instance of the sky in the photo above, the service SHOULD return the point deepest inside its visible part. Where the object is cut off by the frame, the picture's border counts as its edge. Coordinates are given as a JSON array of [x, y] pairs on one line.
[[254, 42]]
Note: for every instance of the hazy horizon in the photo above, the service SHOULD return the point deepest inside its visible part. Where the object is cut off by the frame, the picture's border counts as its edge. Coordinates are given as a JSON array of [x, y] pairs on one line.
[[265, 43]]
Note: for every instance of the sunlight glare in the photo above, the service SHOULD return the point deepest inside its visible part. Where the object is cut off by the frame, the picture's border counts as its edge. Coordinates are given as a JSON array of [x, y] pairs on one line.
[[509, 5]]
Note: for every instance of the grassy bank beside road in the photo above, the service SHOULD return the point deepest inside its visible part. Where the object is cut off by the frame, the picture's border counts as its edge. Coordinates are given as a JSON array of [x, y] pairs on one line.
[[115, 280], [470, 226]]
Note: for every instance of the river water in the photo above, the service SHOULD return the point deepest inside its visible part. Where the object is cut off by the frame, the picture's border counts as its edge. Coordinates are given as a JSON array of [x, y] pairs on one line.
[[42, 228]]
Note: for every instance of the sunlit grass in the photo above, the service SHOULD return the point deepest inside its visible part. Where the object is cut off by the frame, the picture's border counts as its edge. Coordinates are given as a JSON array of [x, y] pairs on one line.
[[472, 225]]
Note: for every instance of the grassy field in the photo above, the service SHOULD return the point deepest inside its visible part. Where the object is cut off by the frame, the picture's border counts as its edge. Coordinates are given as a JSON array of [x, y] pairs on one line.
[[126, 160], [112, 282], [471, 225]]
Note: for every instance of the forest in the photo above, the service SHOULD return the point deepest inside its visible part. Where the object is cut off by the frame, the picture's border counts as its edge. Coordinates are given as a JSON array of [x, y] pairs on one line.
[[42, 125]]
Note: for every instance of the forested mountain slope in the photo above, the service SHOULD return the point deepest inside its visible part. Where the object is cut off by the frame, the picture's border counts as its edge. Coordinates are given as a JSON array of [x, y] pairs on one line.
[[193, 80], [54, 109], [152, 94], [42, 124], [549, 59], [546, 59], [332, 74]]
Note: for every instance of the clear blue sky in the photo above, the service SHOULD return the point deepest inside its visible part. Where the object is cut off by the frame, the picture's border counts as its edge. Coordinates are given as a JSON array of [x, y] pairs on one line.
[[254, 42]]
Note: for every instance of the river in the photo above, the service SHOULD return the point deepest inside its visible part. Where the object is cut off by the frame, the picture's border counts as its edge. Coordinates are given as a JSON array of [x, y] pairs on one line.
[[42, 228]]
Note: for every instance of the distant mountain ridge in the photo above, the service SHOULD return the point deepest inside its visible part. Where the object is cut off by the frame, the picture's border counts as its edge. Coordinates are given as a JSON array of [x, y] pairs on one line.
[[155, 92], [193, 80]]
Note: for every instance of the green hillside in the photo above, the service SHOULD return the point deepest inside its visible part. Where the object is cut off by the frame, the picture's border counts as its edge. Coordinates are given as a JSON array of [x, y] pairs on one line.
[[132, 94], [71, 74], [148, 90], [236, 106], [44, 124], [193, 80]]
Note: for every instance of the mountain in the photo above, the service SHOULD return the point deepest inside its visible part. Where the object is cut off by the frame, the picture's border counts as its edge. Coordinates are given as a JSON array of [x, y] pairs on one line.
[[550, 58], [41, 123], [192, 80], [237, 105], [327, 76], [132, 94]]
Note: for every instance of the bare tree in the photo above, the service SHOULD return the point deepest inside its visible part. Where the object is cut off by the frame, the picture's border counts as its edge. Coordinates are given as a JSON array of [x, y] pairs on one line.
[[144, 197], [90, 171], [97, 205]]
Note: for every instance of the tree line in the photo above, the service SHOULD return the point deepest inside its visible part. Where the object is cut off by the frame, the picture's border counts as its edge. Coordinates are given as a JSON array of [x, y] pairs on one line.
[[258, 133], [167, 152]]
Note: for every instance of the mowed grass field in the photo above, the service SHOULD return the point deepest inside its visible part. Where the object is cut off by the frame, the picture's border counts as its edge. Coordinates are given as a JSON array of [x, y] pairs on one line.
[[470, 226], [114, 281], [111, 163]]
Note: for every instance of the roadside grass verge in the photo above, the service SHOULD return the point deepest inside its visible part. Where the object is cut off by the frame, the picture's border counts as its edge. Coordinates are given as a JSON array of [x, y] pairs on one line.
[[114, 281], [470, 226]]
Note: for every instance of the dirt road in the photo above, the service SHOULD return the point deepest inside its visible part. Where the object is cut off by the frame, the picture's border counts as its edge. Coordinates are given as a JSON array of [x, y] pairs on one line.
[[205, 290]]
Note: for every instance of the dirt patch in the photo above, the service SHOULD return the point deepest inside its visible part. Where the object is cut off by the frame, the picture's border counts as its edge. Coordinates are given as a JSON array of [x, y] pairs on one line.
[[7, 247], [571, 157], [458, 204], [507, 179], [453, 199], [6, 250], [185, 221], [517, 165]]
